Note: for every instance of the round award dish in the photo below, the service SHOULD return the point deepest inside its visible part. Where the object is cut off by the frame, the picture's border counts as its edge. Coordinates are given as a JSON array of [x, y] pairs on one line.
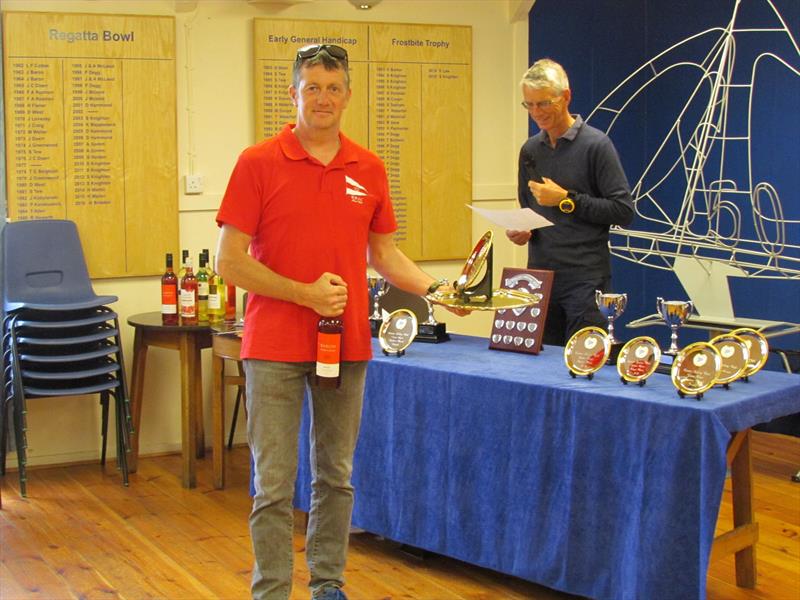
[[501, 298], [757, 345], [638, 359], [735, 357], [587, 351], [398, 331], [696, 368]]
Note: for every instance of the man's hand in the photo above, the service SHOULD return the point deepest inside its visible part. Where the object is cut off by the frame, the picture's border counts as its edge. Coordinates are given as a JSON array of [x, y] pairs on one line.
[[327, 296], [520, 238], [448, 290], [548, 193]]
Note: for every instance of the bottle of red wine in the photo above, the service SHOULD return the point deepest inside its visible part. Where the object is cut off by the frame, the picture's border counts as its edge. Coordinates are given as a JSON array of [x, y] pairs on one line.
[[329, 352], [169, 295]]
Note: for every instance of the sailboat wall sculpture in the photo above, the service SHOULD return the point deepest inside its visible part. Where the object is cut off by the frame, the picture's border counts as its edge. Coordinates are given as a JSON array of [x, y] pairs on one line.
[[726, 213], [701, 102]]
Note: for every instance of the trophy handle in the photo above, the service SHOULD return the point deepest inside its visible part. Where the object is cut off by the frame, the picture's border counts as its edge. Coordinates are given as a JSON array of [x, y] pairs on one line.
[[659, 305]]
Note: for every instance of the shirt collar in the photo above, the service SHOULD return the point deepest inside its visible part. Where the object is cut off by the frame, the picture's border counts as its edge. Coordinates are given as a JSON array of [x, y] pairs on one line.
[[569, 135], [293, 149]]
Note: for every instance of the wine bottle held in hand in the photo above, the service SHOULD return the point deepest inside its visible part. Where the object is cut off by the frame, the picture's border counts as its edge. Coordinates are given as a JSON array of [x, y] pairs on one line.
[[329, 352]]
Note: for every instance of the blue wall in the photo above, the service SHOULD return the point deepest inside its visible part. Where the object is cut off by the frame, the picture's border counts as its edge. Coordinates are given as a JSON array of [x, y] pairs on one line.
[[600, 42]]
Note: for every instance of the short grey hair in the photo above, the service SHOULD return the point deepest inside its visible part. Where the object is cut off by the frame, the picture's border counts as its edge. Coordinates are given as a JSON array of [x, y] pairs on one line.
[[546, 73], [326, 60]]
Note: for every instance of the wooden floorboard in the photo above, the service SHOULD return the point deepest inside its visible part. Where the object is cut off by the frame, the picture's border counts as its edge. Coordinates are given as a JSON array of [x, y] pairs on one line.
[[81, 534]]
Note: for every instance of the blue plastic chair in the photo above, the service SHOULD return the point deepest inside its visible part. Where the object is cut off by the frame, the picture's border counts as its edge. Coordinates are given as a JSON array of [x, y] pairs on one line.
[[59, 338], [44, 268]]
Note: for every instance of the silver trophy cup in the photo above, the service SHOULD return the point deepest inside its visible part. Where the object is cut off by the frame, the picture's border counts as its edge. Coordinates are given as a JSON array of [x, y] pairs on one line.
[[675, 313], [611, 306], [377, 286]]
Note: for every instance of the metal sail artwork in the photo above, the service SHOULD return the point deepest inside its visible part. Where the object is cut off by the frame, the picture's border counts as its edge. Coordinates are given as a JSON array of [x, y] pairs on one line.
[[700, 199]]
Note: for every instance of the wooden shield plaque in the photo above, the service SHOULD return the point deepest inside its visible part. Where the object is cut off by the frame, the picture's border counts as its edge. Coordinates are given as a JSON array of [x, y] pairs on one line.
[[521, 329]]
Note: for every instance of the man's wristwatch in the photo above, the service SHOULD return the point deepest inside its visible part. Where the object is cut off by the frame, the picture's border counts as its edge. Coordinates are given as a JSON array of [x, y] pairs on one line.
[[436, 285], [567, 204]]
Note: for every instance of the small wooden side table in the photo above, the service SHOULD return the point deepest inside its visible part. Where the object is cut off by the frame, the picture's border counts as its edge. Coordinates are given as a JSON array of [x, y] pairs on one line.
[[188, 340]]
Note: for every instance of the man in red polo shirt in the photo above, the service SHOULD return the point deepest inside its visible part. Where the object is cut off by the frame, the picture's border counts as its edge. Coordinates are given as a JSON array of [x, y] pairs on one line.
[[312, 206]]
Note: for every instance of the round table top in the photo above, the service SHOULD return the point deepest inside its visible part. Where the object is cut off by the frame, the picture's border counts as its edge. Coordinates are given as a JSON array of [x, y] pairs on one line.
[[152, 320]]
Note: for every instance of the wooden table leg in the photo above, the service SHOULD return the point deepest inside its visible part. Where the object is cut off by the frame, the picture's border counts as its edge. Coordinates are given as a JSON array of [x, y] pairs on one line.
[[743, 514], [189, 363], [200, 433], [218, 410], [137, 392], [742, 539]]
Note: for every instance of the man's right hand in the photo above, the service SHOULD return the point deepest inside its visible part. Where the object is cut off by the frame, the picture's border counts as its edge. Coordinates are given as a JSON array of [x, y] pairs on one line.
[[327, 296], [520, 238]]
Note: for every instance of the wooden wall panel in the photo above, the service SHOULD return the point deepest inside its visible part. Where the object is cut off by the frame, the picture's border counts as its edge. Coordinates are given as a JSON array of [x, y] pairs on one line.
[[92, 132], [411, 105]]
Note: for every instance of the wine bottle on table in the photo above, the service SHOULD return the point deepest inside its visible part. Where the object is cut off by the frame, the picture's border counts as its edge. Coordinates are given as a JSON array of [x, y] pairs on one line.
[[202, 291], [169, 295], [189, 296]]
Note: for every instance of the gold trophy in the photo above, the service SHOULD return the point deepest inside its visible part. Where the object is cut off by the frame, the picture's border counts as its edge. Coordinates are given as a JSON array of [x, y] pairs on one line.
[[758, 349], [377, 287], [696, 369], [611, 306], [675, 313], [638, 359], [473, 288], [735, 356], [586, 351]]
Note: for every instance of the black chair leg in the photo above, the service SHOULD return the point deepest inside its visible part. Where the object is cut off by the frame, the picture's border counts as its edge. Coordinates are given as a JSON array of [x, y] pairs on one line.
[[235, 417], [122, 444], [104, 426]]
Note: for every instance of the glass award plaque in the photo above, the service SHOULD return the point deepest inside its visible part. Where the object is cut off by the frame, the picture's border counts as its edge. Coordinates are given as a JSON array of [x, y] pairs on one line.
[[397, 332], [473, 288], [758, 347], [735, 357], [638, 359], [587, 351], [696, 369]]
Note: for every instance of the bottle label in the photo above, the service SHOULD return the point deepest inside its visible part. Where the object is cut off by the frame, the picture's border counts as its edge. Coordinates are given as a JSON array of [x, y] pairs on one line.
[[202, 288], [214, 302], [188, 306], [169, 300], [328, 354], [326, 370]]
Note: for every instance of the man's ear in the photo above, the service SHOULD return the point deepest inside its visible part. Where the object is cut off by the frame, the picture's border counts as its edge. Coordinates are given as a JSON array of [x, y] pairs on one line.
[[293, 94]]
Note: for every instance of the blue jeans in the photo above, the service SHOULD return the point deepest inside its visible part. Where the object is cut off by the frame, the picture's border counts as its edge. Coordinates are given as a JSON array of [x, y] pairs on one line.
[[275, 393]]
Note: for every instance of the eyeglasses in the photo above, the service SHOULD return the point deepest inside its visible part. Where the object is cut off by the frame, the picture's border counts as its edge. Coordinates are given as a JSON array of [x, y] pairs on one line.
[[541, 105], [313, 50]]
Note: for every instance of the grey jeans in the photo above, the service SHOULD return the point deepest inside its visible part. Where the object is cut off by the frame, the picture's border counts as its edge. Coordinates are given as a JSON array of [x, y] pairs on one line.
[[275, 393]]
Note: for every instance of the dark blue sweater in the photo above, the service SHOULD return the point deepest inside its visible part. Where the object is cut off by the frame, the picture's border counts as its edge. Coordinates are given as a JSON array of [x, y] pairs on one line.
[[586, 162]]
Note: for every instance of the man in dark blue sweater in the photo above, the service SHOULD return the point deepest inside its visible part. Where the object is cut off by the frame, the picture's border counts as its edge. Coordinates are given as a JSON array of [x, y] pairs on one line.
[[570, 174]]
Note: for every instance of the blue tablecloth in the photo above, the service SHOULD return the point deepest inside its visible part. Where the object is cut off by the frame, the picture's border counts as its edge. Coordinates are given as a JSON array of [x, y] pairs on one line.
[[587, 486]]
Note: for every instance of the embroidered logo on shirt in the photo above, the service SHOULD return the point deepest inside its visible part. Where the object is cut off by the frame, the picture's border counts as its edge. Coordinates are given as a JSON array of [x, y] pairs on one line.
[[354, 190]]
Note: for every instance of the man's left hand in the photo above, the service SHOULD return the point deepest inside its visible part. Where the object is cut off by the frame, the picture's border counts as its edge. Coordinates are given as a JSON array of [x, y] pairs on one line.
[[548, 193]]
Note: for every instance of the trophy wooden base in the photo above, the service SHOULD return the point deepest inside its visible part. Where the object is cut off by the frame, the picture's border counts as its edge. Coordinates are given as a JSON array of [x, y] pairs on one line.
[[432, 334], [664, 367], [613, 354], [375, 326]]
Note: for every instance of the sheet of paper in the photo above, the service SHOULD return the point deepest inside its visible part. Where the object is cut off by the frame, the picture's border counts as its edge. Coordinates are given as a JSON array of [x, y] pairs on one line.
[[519, 219]]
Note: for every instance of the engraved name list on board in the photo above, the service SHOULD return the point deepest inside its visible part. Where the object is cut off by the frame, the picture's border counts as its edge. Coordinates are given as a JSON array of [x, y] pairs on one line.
[[91, 132], [411, 104]]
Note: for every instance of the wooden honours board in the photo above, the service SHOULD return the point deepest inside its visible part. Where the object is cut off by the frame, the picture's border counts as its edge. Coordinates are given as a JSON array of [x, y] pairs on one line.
[[91, 132], [411, 105]]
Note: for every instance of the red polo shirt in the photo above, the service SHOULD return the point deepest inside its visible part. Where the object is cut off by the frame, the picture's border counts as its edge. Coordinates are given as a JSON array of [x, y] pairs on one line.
[[306, 218]]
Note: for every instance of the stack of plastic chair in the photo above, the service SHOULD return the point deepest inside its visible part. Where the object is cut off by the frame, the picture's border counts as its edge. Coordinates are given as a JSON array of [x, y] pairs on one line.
[[59, 337]]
